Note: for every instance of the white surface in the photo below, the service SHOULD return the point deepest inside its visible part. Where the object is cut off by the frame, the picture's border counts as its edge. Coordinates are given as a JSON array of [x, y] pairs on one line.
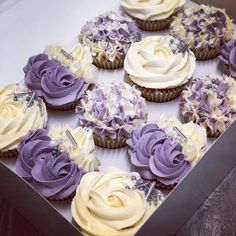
[[28, 26]]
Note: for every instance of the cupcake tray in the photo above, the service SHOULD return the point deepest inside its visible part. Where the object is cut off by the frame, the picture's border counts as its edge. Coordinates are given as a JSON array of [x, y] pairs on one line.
[[53, 218]]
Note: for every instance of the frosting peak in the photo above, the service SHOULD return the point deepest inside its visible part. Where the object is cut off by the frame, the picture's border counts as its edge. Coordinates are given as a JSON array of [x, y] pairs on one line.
[[155, 63], [151, 10], [18, 115]]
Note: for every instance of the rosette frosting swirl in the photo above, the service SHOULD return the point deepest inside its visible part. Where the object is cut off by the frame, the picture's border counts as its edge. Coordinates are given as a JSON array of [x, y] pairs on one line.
[[84, 151], [49, 170], [53, 82], [106, 204], [109, 35], [228, 57], [77, 58], [112, 110], [203, 27], [210, 102], [156, 156], [151, 10], [155, 63], [191, 137], [17, 116]]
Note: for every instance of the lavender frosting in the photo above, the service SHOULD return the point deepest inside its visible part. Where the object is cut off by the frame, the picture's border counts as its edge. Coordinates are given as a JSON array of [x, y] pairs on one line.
[[228, 57], [112, 110], [203, 27], [110, 33], [53, 82], [50, 171], [156, 156], [210, 102]]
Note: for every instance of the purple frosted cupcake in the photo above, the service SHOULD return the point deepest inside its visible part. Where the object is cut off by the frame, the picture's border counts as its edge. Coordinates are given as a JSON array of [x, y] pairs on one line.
[[109, 37], [50, 171], [56, 84], [112, 111], [228, 58], [204, 28], [157, 157], [210, 102]]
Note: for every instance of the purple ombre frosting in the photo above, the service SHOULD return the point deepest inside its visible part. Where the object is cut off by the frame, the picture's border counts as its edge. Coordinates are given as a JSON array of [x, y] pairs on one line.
[[210, 102], [206, 27], [50, 171], [228, 57], [156, 156], [54, 83], [111, 33], [112, 110]]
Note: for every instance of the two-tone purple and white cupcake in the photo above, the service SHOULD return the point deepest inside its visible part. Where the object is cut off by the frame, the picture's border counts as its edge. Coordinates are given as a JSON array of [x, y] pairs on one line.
[[109, 37], [210, 102], [54, 161], [56, 84], [157, 156], [112, 111]]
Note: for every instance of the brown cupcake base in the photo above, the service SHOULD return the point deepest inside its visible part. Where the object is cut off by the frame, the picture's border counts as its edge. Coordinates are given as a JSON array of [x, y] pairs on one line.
[[203, 55], [9, 154], [160, 185], [226, 69], [61, 200], [109, 143], [67, 107], [152, 26], [158, 95], [106, 64]]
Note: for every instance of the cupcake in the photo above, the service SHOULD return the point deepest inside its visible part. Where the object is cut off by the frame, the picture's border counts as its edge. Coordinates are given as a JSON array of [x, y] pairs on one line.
[[192, 137], [157, 156], [152, 15], [204, 28], [109, 37], [112, 111], [54, 167], [228, 58], [210, 102], [159, 67], [56, 84], [111, 203], [78, 59], [20, 112], [78, 143]]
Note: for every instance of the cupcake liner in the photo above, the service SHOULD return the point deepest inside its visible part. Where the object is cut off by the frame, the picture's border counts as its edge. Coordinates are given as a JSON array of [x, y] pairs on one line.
[[211, 134], [106, 64], [159, 95], [66, 107], [226, 69], [156, 25], [160, 185], [61, 200], [203, 55], [9, 154], [109, 143]]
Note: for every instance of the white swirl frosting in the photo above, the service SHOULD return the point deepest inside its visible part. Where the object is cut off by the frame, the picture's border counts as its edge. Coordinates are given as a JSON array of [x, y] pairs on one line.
[[153, 63], [152, 10], [106, 204], [83, 153], [194, 146], [17, 117], [77, 58]]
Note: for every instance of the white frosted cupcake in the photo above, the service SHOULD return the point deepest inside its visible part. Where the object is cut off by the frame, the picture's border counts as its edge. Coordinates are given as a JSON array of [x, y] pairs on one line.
[[160, 67], [77, 58], [78, 143], [152, 15], [192, 137], [113, 203], [21, 111]]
